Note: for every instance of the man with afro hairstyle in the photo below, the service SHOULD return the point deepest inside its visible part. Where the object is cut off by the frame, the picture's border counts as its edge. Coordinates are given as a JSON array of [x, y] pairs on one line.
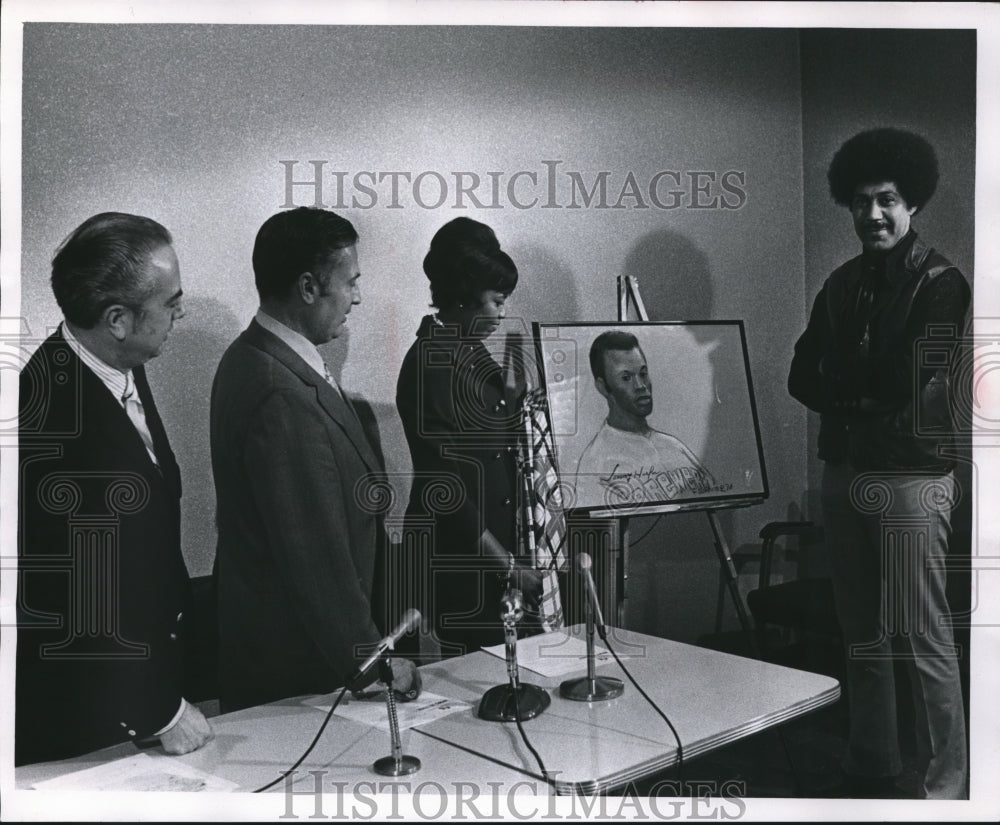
[[888, 488]]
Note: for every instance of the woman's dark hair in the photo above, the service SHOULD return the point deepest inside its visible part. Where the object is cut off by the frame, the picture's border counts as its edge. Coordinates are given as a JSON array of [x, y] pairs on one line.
[[895, 155], [464, 261]]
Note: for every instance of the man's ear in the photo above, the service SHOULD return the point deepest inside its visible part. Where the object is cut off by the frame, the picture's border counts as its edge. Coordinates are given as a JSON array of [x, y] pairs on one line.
[[308, 287], [118, 320], [602, 387]]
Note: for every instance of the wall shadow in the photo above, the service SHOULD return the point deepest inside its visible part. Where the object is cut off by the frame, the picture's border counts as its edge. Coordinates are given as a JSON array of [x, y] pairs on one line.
[[547, 289], [673, 276], [181, 379], [674, 571]]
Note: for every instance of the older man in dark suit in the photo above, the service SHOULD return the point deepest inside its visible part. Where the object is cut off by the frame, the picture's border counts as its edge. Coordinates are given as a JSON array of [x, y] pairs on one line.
[[102, 581], [296, 552]]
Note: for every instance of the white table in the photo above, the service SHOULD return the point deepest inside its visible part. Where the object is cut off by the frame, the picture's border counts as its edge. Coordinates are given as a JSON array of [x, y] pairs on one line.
[[712, 699]]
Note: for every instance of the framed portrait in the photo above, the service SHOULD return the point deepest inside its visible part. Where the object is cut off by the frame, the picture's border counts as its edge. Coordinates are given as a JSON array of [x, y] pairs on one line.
[[652, 417]]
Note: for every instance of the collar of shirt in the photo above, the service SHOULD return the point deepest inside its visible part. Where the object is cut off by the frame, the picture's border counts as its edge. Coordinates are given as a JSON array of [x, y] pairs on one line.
[[115, 380], [301, 346]]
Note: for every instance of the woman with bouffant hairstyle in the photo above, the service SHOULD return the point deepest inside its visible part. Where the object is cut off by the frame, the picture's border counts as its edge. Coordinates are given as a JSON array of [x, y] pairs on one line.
[[461, 423]]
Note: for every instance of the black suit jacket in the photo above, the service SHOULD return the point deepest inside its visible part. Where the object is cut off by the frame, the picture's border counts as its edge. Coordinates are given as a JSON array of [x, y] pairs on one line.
[[296, 482], [102, 581]]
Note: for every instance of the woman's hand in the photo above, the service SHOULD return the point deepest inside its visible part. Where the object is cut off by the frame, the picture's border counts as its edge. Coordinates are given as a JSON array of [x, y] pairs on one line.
[[529, 582]]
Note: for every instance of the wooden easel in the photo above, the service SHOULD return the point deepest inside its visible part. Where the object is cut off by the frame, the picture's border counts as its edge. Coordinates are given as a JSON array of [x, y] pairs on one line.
[[628, 297]]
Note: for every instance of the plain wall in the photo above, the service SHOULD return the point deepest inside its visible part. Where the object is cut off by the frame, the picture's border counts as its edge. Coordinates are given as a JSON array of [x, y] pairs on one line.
[[188, 124]]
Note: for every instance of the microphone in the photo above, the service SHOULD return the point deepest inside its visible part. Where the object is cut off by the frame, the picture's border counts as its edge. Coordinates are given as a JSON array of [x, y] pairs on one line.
[[591, 687], [511, 612], [411, 618], [584, 562], [514, 701], [511, 605]]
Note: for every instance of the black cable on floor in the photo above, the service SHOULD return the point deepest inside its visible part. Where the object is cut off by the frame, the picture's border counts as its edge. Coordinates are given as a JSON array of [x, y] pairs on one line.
[[791, 763], [312, 745], [649, 530]]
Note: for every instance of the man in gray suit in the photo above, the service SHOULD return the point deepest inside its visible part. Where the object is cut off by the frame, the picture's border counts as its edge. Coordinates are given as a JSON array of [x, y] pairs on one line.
[[296, 552]]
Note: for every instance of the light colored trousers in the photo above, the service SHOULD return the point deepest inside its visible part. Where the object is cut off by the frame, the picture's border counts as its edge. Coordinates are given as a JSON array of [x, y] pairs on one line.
[[887, 537]]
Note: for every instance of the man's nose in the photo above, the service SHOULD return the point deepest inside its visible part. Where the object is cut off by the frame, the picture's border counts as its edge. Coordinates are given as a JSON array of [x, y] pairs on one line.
[[356, 295]]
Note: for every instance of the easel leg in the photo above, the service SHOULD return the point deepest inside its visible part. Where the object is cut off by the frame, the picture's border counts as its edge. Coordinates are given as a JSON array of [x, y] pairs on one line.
[[729, 571], [622, 564]]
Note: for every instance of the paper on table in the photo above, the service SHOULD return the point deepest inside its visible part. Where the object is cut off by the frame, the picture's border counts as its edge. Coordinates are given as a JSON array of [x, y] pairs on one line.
[[427, 708], [141, 772], [553, 654]]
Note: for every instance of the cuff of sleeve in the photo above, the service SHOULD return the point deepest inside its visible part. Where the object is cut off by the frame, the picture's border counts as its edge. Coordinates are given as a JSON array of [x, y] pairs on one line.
[[175, 720]]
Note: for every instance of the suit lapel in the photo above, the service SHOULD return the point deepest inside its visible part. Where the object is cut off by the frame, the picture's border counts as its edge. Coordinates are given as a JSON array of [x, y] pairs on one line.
[[330, 400], [899, 271], [161, 446], [104, 419]]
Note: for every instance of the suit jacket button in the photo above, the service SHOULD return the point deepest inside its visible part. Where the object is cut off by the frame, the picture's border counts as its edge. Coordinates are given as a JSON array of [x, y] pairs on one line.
[[173, 637], [506, 502], [496, 456], [131, 733]]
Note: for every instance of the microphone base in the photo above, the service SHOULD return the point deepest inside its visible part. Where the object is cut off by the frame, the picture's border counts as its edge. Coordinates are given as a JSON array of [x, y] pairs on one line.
[[591, 690], [389, 766], [501, 703]]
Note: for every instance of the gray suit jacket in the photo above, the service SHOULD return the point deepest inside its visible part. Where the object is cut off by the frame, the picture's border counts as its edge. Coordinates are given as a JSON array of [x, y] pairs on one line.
[[297, 542]]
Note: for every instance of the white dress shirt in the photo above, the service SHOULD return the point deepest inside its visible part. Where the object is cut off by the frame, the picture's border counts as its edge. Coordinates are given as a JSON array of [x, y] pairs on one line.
[[301, 346], [120, 384]]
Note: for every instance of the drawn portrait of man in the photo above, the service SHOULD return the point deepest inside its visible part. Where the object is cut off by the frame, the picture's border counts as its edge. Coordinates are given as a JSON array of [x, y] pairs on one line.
[[628, 461]]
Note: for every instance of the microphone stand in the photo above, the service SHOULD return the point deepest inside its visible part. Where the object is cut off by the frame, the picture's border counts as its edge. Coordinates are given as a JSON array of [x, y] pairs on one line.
[[591, 688], [515, 701], [396, 764]]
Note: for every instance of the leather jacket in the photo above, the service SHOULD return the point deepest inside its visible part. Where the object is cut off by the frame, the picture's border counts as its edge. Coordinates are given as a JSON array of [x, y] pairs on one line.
[[883, 379]]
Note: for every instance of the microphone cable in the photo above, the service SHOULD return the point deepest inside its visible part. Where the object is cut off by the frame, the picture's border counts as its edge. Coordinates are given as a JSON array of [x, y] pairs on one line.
[[527, 743], [634, 542], [312, 745], [673, 730]]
